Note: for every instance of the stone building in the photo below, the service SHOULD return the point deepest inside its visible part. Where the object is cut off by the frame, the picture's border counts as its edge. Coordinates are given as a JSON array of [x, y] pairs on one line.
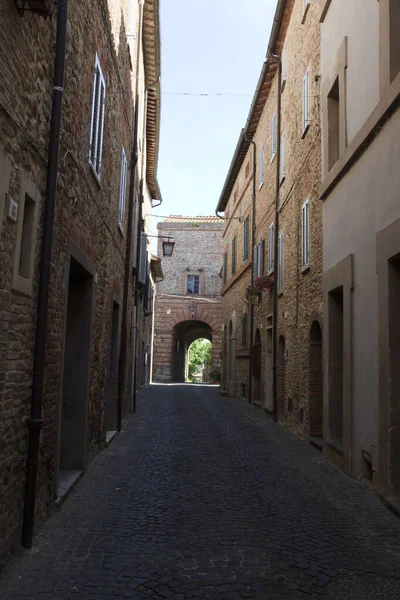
[[360, 76], [263, 169], [104, 180], [188, 300]]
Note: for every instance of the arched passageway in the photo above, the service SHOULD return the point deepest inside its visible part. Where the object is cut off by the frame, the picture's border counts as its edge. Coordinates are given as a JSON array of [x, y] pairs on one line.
[[184, 334], [280, 376], [315, 381], [256, 370]]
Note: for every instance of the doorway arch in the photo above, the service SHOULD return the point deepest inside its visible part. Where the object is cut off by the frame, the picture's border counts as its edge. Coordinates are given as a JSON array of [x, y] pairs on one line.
[[315, 381], [281, 376], [256, 370], [184, 333]]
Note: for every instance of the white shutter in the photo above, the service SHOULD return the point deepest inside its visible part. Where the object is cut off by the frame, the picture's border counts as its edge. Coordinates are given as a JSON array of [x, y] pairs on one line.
[[283, 159], [143, 258], [305, 234], [306, 99], [122, 190], [273, 137], [261, 165], [271, 248], [261, 246], [97, 121], [280, 263], [255, 262]]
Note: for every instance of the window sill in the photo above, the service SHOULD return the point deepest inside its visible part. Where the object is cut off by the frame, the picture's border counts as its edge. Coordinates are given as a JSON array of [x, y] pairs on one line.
[[305, 270], [272, 158], [120, 229], [260, 186], [305, 130], [335, 445], [270, 272], [95, 175], [280, 293], [282, 179]]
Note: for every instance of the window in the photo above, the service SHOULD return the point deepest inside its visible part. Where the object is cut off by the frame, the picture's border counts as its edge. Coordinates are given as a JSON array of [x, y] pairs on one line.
[[246, 239], [261, 166], [255, 261], [260, 266], [306, 101], [305, 235], [284, 69], [122, 191], [143, 258], [333, 124], [280, 264], [244, 330], [233, 269], [282, 166], [306, 4], [97, 123], [193, 284], [225, 265], [273, 137], [271, 248]]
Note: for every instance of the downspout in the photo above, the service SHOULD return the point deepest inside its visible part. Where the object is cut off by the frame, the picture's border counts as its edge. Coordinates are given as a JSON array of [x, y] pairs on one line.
[[35, 421], [253, 241], [276, 59], [132, 185]]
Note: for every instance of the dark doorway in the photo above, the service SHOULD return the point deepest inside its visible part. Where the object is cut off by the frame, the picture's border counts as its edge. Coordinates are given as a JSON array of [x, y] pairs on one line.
[[335, 305], [280, 377], [315, 383], [268, 401], [256, 394], [111, 418], [394, 370], [75, 385]]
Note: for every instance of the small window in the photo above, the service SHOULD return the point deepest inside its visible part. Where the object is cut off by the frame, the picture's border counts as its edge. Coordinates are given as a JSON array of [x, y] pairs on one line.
[[97, 123], [261, 166], [306, 4], [193, 284], [280, 263], [244, 330], [273, 137], [122, 191], [271, 248], [284, 69], [333, 124], [233, 269], [282, 167], [246, 239], [225, 266], [306, 101], [305, 234]]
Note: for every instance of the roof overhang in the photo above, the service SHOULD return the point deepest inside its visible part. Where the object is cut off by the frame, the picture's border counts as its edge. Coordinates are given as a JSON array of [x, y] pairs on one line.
[[152, 70], [268, 71]]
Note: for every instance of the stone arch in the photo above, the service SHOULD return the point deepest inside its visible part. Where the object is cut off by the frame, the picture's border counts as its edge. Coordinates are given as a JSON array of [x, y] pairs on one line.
[[315, 382], [256, 368], [281, 377], [184, 333]]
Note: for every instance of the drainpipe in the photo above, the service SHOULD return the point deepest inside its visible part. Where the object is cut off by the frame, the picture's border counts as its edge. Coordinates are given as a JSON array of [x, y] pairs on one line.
[[133, 165], [276, 59], [35, 421], [253, 241]]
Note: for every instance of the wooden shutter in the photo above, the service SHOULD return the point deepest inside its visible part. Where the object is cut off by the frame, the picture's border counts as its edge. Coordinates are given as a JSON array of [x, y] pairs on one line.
[[283, 158], [271, 248], [233, 255], [122, 190], [273, 137], [143, 258], [97, 122], [261, 165], [255, 261], [280, 263], [261, 257], [305, 223], [246, 239]]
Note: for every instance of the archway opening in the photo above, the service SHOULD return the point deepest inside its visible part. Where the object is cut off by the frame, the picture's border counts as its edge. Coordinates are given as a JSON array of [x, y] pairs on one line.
[[315, 383], [199, 361], [184, 334]]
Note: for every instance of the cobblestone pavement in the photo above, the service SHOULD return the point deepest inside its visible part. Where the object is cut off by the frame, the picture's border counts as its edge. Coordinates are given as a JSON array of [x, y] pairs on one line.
[[204, 497]]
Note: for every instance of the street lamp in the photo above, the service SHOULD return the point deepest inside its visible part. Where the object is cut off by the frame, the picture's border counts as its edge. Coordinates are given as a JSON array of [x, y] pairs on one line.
[[168, 247]]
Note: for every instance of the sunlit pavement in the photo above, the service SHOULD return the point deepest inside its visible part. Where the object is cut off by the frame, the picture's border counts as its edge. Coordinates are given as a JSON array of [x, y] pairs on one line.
[[204, 497]]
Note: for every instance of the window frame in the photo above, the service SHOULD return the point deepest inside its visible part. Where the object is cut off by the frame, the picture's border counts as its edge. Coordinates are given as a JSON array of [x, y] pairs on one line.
[[97, 131], [122, 191], [194, 293], [271, 248], [306, 101], [305, 236], [246, 238]]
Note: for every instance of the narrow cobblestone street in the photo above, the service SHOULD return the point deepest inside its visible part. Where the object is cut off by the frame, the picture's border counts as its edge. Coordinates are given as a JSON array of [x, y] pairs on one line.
[[204, 497]]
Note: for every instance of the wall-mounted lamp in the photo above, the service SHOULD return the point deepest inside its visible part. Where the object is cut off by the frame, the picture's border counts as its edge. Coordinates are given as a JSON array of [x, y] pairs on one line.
[[168, 247], [192, 310]]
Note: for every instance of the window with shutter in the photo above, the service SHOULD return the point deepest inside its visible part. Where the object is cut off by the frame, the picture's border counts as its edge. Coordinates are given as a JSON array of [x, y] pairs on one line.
[[225, 266], [306, 97], [282, 167], [280, 263], [97, 122], [233, 255], [255, 262], [305, 226], [246, 239], [273, 137], [261, 166], [271, 248], [143, 258], [122, 191], [193, 284], [261, 248], [244, 330]]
